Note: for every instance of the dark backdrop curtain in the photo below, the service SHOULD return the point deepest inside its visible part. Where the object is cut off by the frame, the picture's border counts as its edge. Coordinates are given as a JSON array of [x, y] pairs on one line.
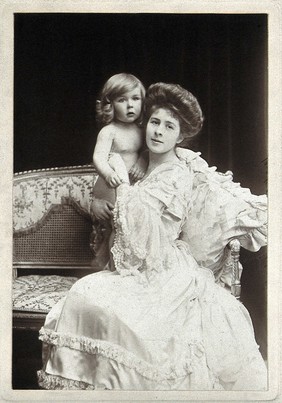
[[62, 60]]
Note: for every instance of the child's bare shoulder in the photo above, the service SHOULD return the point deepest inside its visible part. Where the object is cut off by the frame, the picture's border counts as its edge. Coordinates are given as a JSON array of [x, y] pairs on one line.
[[107, 132]]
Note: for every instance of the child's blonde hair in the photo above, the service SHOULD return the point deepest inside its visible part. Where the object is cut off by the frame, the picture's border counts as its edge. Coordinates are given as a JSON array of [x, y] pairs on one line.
[[116, 86]]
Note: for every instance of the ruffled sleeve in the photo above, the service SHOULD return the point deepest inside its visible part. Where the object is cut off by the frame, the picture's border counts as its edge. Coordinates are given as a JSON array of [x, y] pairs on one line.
[[141, 243], [170, 187], [220, 210]]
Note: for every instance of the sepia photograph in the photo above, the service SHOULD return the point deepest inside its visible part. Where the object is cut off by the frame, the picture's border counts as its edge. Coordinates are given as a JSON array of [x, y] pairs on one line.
[[140, 200]]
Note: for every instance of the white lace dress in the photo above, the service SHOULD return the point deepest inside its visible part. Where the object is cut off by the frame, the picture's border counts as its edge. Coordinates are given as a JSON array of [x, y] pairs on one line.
[[159, 322]]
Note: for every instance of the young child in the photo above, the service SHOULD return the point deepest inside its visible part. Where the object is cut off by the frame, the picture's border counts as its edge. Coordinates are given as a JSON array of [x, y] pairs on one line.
[[119, 111]]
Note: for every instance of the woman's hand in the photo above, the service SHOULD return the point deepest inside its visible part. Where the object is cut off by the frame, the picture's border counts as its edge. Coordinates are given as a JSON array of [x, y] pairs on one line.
[[138, 170], [101, 209]]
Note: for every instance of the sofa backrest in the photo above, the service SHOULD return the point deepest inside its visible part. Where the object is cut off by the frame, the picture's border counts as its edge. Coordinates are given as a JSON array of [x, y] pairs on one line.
[[51, 218]]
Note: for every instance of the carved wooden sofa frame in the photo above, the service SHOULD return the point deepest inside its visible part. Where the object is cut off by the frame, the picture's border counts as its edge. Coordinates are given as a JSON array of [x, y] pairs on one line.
[[56, 241]]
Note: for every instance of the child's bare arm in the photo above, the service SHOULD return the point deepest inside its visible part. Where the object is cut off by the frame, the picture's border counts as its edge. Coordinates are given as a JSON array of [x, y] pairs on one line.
[[117, 163], [101, 154]]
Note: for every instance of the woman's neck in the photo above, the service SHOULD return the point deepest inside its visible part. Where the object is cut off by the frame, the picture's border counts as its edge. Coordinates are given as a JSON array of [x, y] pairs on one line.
[[158, 159]]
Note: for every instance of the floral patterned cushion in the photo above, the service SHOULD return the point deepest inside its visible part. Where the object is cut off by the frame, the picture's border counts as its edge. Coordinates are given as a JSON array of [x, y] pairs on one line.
[[35, 293]]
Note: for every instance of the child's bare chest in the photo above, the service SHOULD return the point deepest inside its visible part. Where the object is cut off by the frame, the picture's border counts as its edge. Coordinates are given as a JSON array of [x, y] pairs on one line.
[[127, 142]]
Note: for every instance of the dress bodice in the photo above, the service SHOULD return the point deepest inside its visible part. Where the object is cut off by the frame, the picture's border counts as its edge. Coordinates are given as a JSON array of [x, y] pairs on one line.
[[148, 219]]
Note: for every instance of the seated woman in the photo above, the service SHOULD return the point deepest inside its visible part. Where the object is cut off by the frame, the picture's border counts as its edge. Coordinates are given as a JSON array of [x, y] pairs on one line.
[[159, 321]]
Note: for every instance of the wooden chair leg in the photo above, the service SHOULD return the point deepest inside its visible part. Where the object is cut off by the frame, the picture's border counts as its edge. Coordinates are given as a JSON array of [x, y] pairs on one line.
[[235, 246]]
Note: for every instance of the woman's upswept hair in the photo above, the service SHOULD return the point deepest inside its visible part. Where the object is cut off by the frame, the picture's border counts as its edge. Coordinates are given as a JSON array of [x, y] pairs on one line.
[[180, 102], [116, 86]]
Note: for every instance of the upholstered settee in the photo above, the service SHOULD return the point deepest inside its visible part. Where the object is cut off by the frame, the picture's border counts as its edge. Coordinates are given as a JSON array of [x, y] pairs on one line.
[[56, 240]]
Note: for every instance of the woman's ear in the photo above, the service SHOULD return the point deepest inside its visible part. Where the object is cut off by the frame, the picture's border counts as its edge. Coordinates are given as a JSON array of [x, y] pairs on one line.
[[180, 138]]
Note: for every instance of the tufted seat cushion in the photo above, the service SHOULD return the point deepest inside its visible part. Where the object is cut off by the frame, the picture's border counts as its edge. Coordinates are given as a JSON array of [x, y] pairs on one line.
[[35, 293]]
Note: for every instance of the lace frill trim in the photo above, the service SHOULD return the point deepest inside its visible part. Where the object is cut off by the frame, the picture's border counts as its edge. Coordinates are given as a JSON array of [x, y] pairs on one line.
[[122, 356], [47, 381], [128, 256]]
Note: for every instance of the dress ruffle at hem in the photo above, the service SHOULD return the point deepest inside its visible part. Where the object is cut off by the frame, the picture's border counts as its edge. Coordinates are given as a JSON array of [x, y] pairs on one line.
[[119, 354]]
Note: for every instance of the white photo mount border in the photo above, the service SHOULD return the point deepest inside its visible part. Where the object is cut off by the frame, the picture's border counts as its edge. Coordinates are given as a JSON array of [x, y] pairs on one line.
[[273, 10]]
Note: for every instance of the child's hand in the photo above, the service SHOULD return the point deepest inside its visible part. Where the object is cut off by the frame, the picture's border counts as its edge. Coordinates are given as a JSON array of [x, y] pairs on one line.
[[138, 170], [117, 164], [113, 179]]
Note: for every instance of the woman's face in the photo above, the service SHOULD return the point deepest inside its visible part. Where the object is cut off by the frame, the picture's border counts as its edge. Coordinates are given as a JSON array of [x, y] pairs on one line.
[[163, 131]]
